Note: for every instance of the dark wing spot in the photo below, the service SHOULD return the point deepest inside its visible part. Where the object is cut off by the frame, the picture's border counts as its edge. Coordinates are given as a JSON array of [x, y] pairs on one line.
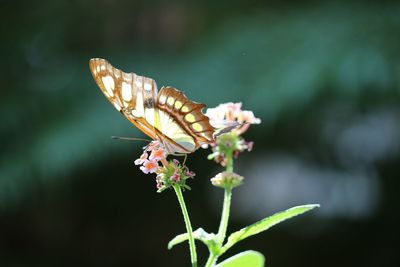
[[148, 103]]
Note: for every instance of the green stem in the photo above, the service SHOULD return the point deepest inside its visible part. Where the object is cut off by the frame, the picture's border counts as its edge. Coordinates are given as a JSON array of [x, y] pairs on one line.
[[211, 260], [229, 161], [189, 230], [225, 215], [223, 226], [227, 202]]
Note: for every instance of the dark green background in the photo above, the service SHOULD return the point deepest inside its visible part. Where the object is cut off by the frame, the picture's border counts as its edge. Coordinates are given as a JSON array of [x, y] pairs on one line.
[[323, 77]]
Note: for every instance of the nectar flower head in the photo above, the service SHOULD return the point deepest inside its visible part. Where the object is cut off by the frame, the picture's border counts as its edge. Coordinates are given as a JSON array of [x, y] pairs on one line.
[[172, 174], [228, 113], [232, 122], [229, 144], [169, 173], [227, 180]]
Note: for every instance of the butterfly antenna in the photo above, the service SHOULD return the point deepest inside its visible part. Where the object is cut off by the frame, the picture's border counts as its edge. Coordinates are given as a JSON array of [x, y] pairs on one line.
[[227, 129], [130, 138]]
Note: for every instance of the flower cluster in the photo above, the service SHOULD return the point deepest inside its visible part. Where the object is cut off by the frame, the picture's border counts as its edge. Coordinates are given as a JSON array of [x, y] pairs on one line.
[[150, 164], [226, 144], [173, 173], [231, 142], [168, 173], [232, 113]]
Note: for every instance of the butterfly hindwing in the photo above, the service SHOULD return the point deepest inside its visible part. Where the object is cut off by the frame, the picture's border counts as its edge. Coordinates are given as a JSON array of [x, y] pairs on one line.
[[188, 115]]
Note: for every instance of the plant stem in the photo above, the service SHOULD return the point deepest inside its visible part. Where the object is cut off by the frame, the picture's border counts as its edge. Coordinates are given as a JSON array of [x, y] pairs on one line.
[[192, 246], [223, 226], [229, 161], [211, 259], [225, 215], [227, 202]]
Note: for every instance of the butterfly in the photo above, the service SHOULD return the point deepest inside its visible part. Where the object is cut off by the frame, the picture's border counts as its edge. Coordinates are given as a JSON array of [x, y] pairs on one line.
[[167, 116]]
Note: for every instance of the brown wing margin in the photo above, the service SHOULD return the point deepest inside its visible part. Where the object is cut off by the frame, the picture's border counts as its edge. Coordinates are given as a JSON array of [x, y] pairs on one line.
[[187, 114]]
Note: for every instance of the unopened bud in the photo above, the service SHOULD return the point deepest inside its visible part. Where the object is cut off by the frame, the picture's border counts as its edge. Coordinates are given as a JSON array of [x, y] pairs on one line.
[[227, 180]]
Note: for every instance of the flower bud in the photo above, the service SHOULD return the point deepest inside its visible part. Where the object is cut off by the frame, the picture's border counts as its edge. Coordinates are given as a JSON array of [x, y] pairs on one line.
[[227, 180]]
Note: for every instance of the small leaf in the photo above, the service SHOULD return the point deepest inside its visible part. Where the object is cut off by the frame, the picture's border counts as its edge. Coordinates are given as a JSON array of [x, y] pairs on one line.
[[199, 234], [177, 240], [266, 223], [249, 258]]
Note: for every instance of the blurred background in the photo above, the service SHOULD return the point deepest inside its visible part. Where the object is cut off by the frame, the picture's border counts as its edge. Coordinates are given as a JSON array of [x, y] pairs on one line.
[[323, 77]]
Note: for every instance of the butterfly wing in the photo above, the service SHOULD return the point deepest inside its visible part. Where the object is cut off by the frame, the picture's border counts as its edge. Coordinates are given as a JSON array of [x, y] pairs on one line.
[[131, 94], [183, 121], [169, 117]]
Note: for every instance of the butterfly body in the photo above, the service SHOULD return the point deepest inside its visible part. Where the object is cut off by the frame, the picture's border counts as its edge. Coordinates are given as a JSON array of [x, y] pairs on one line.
[[167, 116]]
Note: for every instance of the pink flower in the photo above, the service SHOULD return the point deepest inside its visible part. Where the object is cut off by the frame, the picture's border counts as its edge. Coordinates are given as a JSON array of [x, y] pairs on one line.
[[216, 114], [248, 117], [149, 166], [159, 181], [153, 145], [233, 110], [142, 159], [175, 177], [187, 172], [157, 154], [249, 146]]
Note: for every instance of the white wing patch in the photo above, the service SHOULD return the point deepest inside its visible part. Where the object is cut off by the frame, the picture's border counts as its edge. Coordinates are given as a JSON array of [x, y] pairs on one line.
[[139, 104], [138, 81], [147, 86], [126, 92], [150, 116], [108, 82]]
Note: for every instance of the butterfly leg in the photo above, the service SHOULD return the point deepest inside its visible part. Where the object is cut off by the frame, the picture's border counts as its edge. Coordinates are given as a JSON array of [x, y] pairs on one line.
[[184, 160], [181, 155]]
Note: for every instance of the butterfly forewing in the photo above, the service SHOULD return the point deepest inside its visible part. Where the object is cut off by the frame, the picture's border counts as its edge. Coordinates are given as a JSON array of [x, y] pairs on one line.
[[131, 94]]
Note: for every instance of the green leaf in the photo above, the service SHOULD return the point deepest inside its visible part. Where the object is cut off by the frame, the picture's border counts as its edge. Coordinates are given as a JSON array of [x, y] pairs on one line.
[[249, 258], [199, 234], [266, 223]]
